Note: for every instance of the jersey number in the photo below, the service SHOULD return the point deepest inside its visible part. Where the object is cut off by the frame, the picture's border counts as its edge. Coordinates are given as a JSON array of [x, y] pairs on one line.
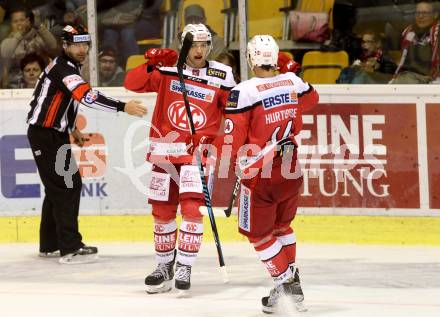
[[287, 132]]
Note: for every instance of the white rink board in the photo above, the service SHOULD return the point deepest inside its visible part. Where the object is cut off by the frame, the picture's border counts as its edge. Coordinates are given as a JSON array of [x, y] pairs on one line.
[[116, 192]]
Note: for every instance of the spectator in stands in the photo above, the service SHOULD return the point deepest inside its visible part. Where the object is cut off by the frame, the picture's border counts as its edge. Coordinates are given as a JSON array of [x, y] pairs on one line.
[[420, 48], [118, 20], [31, 67], [229, 59], [79, 10], [149, 26], [110, 74], [8, 6], [195, 14], [373, 66], [24, 38], [343, 38]]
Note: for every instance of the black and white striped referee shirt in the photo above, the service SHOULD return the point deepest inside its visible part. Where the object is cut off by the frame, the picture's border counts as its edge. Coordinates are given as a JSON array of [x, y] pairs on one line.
[[58, 93]]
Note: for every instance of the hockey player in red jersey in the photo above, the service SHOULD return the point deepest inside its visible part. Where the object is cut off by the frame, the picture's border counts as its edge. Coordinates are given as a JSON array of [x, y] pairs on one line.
[[262, 114], [174, 179]]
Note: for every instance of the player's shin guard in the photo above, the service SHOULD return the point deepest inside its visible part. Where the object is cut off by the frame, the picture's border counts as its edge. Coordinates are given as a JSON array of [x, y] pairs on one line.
[[270, 252], [159, 280], [190, 239], [287, 238]]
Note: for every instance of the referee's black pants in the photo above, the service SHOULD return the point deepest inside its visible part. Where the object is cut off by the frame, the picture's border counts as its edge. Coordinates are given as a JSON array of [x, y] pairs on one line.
[[59, 216]]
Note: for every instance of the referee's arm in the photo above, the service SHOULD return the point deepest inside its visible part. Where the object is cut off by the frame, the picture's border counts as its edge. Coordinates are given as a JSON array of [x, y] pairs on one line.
[[83, 93]]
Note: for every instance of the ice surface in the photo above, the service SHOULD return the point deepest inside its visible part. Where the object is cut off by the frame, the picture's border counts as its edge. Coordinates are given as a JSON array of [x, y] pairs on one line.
[[338, 280]]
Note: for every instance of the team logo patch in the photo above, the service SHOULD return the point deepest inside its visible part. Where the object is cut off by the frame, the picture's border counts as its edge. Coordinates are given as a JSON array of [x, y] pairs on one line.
[[233, 99], [72, 81], [190, 180], [244, 214], [229, 126], [159, 188], [214, 72], [178, 118], [193, 91], [91, 96], [159, 228], [191, 227]]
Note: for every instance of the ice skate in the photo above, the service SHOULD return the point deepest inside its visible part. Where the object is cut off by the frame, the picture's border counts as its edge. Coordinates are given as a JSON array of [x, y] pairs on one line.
[[183, 279], [160, 281], [85, 254], [297, 294], [291, 290]]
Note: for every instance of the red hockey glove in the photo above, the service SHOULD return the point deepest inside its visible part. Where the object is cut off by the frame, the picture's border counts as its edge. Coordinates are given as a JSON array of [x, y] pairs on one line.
[[193, 141], [286, 64], [161, 57]]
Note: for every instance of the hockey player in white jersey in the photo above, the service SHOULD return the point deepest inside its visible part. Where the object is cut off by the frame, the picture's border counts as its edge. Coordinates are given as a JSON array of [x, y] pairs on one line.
[[265, 112]]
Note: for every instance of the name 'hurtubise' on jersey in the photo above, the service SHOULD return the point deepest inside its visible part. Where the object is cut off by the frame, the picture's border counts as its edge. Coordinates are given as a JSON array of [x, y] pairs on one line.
[[207, 89], [262, 110]]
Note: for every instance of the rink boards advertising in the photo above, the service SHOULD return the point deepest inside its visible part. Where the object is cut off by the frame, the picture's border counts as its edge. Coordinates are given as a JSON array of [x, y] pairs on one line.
[[363, 151]]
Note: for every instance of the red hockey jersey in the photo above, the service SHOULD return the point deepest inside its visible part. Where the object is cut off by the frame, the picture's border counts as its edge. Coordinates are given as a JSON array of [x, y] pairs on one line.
[[262, 110], [208, 90]]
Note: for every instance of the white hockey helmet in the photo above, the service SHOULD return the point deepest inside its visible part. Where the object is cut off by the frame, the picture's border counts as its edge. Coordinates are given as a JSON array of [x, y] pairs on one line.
[[199, 32], [262, 50]]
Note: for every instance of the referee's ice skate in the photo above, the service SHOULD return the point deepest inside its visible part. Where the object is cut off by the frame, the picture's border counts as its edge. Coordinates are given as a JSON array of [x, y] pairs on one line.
[[85, 254]]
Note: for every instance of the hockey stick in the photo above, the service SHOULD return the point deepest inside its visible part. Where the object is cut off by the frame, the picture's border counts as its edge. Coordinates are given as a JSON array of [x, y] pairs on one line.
[[186, 45], [228, 210]]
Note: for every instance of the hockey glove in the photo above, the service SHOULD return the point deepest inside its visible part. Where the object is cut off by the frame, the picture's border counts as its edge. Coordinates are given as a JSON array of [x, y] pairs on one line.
[[194, 141], [159, 57], [286, 64]]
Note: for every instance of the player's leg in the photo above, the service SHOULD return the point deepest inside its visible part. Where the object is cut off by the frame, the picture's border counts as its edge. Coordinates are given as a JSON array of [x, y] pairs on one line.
[[163, 196], [191, 228], [288, 193], [256, 219]]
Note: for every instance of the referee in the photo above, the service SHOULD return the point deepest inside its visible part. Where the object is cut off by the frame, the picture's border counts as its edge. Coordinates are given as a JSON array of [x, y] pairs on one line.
[[54, 108]]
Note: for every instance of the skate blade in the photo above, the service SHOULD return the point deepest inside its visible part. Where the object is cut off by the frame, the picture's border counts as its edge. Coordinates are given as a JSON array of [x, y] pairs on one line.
[[79, 259], [268, 310], [300, 307], [49, 255], [183, 293], [161, 288], [285, 305]]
